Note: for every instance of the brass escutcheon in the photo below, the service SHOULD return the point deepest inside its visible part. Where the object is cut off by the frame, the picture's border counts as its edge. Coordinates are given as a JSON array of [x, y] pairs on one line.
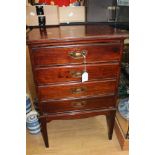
[[78, 55], [76, 74], [78, 90], [79, 104]]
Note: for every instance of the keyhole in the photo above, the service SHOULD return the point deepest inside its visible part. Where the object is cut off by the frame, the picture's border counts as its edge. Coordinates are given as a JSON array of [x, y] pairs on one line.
[[115, 49]]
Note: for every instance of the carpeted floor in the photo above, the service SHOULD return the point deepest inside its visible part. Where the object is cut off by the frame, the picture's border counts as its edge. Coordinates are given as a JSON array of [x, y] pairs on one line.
[[75, 137]]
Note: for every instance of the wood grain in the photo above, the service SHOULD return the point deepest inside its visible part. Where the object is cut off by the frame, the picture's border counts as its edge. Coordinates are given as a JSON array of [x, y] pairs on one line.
[[76, 89], [124, 143], [60, 34], [70, 73], [78, 104], [103, 52]]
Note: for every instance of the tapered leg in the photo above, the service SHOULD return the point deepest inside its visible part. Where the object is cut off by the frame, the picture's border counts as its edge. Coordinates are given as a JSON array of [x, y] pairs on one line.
[[44, 131], [111, 122]]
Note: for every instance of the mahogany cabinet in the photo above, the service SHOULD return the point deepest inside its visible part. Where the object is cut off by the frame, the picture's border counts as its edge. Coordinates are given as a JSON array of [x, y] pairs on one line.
[[60, 55]]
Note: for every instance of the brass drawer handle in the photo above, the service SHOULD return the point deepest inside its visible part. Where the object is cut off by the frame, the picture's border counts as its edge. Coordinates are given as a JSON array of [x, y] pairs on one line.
[[78, 90], [76, 74], [79, 104], [78, 55]]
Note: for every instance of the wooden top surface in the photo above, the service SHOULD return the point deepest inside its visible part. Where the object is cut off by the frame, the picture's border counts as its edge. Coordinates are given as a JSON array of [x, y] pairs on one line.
[[74, 33]]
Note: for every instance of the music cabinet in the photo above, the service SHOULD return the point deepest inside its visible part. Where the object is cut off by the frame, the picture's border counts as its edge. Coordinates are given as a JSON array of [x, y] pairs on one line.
[[60, 56]]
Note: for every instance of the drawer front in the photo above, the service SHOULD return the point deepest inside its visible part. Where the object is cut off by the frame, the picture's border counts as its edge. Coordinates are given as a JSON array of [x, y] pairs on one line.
[[74, 73], [74, 54], [76, 89], [78, 104]]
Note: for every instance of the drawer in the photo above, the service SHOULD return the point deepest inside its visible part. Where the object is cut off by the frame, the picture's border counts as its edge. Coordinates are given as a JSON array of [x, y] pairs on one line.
[[73, 54], [78, 104], [74, 90], [73, 73]]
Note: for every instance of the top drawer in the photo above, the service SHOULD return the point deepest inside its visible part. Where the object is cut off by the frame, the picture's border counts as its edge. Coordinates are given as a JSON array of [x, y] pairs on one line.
[[73, 54]]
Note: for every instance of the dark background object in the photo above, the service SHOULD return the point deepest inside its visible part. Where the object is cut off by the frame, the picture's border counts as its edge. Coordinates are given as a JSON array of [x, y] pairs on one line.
[[124, 78], [123, 14], [97, 11], [42, 21], [39, 10]]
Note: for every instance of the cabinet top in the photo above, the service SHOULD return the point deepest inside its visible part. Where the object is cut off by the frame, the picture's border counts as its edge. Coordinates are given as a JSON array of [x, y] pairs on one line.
[[74, 33]]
